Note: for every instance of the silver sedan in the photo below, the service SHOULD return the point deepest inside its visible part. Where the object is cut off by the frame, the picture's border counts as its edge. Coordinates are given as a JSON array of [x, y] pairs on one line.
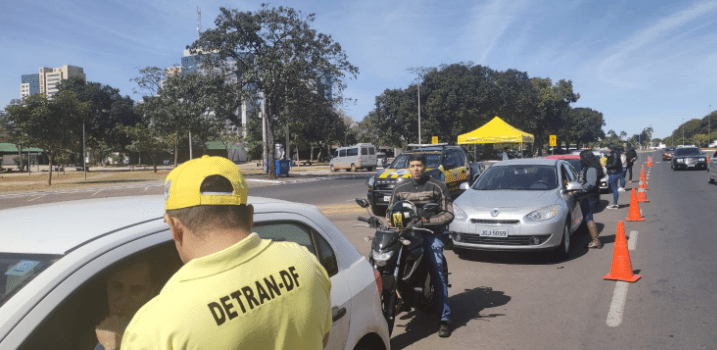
[[521, 204]]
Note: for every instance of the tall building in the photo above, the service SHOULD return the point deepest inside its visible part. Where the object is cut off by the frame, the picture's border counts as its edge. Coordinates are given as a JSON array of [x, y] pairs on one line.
[[45, 82], [30, 85]]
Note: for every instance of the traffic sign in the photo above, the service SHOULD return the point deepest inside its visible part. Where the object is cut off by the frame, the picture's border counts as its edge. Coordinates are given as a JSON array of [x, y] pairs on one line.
[[553, 140], [434, 140]]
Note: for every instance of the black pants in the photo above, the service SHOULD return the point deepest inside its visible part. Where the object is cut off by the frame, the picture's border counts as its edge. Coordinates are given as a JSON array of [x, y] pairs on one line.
[[629, 170]]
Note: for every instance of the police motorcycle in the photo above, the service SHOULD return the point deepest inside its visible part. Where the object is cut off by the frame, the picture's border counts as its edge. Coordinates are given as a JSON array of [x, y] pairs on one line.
[[397, 254]]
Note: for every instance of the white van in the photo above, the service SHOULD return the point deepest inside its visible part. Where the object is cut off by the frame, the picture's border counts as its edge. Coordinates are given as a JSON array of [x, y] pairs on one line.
[[358, 156]]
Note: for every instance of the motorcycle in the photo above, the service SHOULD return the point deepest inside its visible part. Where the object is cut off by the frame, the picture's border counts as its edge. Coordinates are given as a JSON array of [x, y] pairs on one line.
[[397, 254]]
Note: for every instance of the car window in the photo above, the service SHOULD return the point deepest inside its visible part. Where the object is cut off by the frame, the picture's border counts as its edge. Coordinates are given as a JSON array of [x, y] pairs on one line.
[[571, 170], [460, 160], [336, 154], [304, 236], [433, 160], [342, 153], [715, 154], [137, 278], [518, 177], [352, 152], [371, 151], [364, 151], [18, 270], [687, 151]]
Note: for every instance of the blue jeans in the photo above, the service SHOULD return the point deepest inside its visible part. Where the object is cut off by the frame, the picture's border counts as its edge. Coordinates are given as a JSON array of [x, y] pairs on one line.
[[622, 176], [433, 251], [612, 179], [588, 208]]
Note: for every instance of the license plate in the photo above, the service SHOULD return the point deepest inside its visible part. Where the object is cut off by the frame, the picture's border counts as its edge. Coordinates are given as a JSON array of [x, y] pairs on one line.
[[386, 198], [493, 232], [690, 165]]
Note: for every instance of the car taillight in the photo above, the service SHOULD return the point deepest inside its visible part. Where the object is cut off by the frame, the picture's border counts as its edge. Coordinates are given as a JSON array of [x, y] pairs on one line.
[[377, 275]]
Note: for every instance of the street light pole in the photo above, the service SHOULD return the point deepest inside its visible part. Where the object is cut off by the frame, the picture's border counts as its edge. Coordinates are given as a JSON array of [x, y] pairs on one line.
[[419, 110], [683, 131]]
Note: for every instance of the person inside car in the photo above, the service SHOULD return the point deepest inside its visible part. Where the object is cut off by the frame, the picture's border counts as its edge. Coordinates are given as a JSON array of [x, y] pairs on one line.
[[129, 286]]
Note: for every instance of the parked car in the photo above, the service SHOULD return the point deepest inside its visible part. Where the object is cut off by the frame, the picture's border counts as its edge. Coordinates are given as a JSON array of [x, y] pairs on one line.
[[712, 168], [522, 204], [358, 156], [574, 160], [53, 292], [667, 152], [450, 164], [688, 158]]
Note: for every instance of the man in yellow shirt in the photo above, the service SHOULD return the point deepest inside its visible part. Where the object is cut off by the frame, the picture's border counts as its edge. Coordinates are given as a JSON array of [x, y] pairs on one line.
[[236, 290]]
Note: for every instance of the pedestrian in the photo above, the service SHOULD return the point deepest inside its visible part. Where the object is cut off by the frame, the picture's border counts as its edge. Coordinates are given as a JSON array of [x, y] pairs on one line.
[[623, 161], [421, 190], [631, 155], [614, 169], [505, 153], [235, 290], [589, 177]]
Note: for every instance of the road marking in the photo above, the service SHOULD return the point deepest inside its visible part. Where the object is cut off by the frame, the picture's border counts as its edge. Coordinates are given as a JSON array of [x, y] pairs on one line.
[[632, 241], [98, 191], [614, 316], [617, 306], [30, 200]]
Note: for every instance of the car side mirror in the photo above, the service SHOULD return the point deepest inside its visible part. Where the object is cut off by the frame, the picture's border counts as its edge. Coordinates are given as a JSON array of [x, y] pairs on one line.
[[573, 186]]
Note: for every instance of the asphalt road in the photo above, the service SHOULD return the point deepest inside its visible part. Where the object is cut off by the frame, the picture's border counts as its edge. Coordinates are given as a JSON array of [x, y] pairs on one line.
[[532, 301]]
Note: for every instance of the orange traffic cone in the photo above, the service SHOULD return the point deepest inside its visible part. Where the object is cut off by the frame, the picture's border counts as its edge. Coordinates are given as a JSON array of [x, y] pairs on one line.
[[642, 195], [649, 161], [634, 214], [621, 269], [643, 180]]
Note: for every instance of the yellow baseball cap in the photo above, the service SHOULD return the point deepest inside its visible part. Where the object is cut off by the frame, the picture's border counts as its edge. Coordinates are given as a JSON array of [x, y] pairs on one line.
[[182, 185]]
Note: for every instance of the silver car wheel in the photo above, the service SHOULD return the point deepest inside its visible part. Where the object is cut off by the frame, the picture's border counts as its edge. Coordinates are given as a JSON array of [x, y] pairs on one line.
[[563, 249]]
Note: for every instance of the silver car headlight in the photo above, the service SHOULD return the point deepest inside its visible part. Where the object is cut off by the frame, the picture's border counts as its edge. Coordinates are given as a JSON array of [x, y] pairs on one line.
[[381, 258], [369, 182], [701, 159], [543, 214], [680, 160], [458, 213]]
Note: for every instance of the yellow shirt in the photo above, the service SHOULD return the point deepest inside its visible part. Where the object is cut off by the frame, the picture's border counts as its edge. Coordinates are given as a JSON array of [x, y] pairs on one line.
[[256, 294]]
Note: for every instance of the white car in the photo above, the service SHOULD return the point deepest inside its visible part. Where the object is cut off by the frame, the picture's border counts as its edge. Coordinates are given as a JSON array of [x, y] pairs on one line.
[[55, 259]]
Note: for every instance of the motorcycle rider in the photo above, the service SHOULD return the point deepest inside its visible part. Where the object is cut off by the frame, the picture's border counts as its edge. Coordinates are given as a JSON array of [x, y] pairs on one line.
[[423, 189]]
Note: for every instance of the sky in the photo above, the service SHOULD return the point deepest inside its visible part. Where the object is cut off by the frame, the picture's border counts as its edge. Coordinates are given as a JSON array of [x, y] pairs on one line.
[[640, 63]]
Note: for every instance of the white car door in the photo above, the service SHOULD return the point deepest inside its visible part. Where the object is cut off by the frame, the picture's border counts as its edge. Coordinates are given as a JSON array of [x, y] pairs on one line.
[[298, 229]]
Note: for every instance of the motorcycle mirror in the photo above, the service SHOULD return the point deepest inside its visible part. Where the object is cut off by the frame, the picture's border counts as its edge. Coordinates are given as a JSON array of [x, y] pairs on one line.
[[363, 202]]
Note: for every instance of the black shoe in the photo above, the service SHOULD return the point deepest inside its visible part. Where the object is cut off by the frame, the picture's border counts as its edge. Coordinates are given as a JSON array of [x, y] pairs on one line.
[[444, 330]]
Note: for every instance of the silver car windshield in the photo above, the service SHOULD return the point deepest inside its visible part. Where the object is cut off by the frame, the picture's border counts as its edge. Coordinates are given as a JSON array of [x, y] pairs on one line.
[[518, 177], [433, 160], [18, 270]]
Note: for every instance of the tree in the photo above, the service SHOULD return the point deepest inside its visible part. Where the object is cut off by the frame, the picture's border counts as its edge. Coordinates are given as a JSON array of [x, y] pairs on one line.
[[584, 125], [49, 124], [275, 51], [146, 138], [107, 108], [553, 105]]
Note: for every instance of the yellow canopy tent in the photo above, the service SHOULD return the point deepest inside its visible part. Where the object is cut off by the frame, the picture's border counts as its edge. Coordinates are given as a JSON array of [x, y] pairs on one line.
[[496, 131]]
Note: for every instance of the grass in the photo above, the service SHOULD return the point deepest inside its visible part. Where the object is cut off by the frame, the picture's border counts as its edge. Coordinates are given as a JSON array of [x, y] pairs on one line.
[[37, 181]]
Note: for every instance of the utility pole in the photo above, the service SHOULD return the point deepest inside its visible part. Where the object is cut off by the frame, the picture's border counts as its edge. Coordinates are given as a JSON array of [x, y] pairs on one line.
[[84, 151], [709, 125], [419, 109]]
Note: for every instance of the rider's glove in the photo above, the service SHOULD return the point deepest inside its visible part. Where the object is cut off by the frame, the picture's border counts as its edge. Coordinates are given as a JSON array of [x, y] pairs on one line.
[[374, 222]]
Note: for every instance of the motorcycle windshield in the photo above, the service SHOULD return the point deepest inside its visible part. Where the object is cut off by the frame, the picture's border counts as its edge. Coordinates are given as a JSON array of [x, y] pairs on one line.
[[384, 239]]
